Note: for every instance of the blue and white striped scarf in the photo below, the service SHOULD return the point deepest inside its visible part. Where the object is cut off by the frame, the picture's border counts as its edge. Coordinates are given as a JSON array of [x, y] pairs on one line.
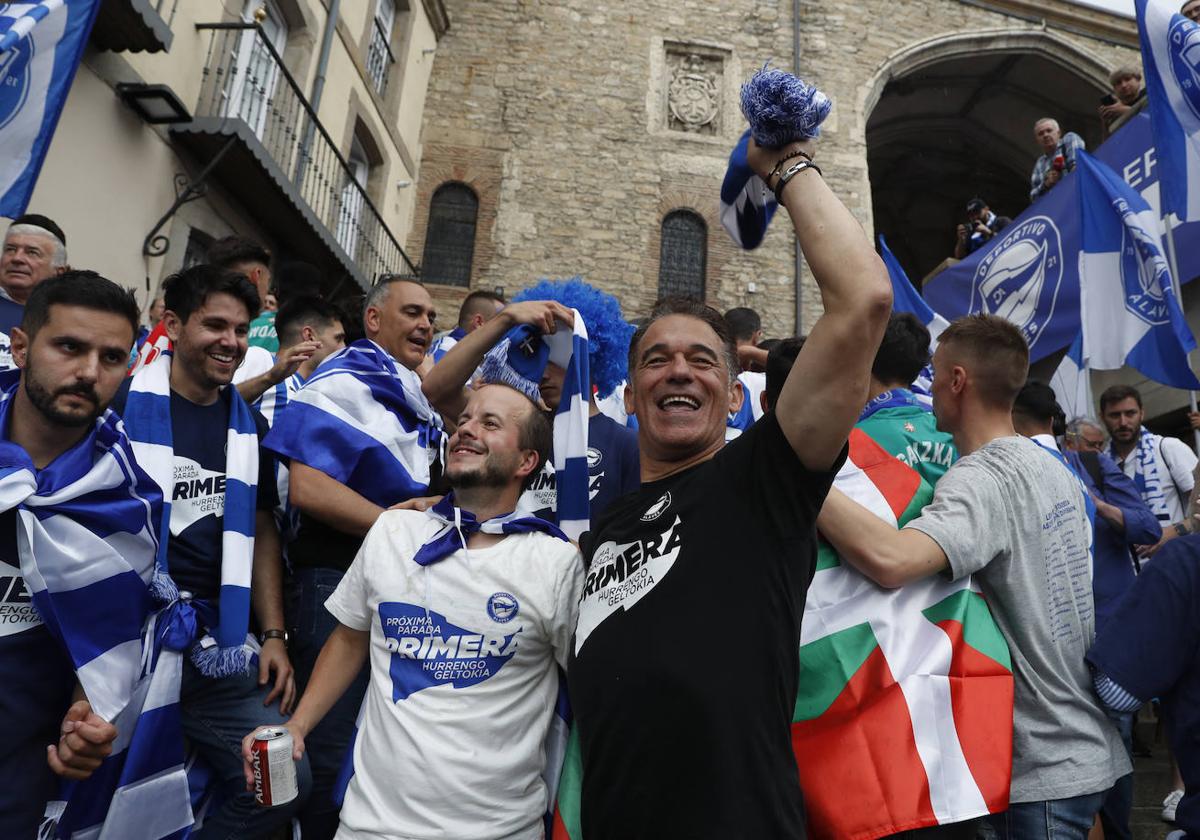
[[1147, 475], [362, 420], [519, 360], [87, 536], [459, 524], [226, 649], [274, 401]]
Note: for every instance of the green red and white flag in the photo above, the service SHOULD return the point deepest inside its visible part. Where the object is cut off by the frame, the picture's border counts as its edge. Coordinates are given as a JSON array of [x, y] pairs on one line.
[[904, 715]]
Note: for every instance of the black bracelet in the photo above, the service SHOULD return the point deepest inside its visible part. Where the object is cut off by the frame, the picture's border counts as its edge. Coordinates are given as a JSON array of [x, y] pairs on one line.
[[779, 163], [274, 634], [792, 173]]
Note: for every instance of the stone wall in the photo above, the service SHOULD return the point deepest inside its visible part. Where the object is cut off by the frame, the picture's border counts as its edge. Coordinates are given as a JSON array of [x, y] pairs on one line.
[[559, 115]]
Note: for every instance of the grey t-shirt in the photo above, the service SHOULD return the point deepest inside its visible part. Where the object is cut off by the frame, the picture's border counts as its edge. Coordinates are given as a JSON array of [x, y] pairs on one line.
[[1013, 515]]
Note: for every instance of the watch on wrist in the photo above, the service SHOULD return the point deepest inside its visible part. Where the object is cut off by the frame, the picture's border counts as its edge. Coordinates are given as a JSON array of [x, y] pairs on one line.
[[273, 634]]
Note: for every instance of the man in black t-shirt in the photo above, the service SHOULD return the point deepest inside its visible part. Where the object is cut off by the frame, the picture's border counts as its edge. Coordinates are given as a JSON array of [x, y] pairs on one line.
[[683, 673]]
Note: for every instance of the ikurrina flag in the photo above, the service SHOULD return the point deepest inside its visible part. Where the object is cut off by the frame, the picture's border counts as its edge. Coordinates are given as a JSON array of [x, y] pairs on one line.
[[904, 717]]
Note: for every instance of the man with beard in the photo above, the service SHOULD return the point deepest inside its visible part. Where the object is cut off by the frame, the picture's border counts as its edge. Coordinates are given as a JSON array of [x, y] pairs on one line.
[[359, 437], [72, 349], [465, 612]]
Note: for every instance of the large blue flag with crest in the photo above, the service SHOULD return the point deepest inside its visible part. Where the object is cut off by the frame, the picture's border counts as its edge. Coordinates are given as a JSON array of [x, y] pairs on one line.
[[1171, 59], [1129, 310], [40, 48]]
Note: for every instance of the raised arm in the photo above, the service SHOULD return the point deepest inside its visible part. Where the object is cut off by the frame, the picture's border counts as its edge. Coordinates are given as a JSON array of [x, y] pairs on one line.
[[827, 388], [445, 384]]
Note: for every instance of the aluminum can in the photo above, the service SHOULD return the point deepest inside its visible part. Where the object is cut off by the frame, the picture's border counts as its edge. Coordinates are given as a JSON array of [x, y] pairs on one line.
[[273, 767]]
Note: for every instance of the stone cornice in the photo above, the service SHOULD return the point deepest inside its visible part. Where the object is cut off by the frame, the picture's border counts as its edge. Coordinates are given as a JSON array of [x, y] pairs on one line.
[[1094, 23]]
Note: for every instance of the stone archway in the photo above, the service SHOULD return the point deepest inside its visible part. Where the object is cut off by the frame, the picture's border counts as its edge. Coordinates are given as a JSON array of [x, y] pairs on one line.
[[951, 117]]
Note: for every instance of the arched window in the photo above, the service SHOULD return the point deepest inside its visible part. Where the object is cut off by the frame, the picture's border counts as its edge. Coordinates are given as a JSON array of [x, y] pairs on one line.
[[683, 255], [450, 237]]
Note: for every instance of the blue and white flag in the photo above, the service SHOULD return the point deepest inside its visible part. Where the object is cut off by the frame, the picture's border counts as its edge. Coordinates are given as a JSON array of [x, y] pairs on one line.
[[40, 48], [87, 535], [1072, 384], [1128, 306], [747, 206], [905, 298], [1171, 59], [362, 420], [518, 360]]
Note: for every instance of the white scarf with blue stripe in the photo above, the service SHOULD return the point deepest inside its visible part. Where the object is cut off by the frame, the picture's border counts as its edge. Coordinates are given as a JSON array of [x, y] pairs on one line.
[[87, 536], [519, 360], [227, 649]]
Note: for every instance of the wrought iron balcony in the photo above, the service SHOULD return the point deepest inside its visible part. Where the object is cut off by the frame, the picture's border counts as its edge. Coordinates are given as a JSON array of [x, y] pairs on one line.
[[279, 160], [379, 57]]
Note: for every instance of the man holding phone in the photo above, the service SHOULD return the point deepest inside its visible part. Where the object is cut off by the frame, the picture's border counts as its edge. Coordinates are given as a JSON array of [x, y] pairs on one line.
[[1127, 97]]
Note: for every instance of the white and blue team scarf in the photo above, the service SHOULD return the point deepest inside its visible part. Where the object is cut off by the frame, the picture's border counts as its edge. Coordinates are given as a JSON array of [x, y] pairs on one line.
[[363, 420], [519, 360], [87, 536], [227, 648], [747, 206], [1147, 476], [894, 398], [458, 525]]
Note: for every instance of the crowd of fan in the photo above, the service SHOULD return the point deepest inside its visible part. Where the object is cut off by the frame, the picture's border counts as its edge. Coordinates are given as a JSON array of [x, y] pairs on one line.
[[446, 529]]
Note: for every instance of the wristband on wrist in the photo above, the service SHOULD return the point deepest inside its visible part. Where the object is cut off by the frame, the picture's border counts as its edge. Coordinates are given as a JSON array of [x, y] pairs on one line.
[[273, 634], [792, 172], [779, 163]]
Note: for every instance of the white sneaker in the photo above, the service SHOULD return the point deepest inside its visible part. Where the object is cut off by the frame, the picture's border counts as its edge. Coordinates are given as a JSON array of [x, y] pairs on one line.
[[1170, 804]]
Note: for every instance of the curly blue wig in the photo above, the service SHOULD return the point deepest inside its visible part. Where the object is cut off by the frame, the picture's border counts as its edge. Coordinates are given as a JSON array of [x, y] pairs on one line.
[[608, 332], [781, 108]]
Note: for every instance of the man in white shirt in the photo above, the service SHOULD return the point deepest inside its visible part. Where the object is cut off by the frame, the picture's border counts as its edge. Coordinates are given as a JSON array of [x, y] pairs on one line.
[[1161, 467], [466, 612]]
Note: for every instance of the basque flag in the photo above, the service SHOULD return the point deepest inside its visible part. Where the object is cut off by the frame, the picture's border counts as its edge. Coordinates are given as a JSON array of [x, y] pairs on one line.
[[40, 48], [1171, 59], [1128, 306]]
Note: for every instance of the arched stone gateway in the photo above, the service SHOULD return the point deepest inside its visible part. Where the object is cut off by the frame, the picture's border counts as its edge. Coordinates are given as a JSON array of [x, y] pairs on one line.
[[951, 117]]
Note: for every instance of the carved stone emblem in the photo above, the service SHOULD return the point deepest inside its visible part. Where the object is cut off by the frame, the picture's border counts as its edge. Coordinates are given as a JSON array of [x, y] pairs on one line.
[[693, 97]]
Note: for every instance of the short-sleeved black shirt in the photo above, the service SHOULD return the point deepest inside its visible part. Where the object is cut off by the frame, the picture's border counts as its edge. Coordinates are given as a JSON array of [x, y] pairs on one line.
[[684, 670]]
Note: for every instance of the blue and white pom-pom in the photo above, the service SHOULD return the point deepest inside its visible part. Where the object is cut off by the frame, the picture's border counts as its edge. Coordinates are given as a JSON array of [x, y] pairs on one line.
[[782, 108]]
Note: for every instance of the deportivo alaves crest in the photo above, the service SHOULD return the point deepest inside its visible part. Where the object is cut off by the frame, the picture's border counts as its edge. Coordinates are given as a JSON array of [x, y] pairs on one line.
[[1020, 277], [1185, 61], [1144, 271], [14, 78]]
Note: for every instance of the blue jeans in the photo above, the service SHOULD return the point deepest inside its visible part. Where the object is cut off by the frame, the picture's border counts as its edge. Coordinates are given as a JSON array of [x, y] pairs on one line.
[[1118, 804], [217, 715], [1054, 819], [309, 625]]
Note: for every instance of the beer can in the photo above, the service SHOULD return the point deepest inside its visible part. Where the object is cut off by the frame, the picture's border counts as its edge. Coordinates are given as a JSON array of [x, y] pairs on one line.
[[273, 767]]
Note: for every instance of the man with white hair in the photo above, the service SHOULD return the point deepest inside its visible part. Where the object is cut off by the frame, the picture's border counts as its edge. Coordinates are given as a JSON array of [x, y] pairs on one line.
[[1058, 156], [34, 248]]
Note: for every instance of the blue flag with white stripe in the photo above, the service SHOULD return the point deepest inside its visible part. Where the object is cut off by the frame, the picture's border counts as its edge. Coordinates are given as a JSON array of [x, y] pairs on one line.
[[747, 206], [40, 48], [1128, 306], [87, 535], [1171, 59], [519, 360], [905, 298], [362, 420]]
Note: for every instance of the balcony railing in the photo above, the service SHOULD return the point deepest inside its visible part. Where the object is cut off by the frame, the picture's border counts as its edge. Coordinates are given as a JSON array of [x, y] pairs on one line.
[[379, 57], [245, 81]]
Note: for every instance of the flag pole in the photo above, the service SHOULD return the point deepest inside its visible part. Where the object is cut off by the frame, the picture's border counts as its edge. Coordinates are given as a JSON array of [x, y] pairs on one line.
[[1175, 287]]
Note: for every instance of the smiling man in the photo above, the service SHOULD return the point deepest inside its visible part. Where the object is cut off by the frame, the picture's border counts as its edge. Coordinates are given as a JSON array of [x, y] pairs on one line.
[[464, 613], [200, 441], [359, 437], [683, 672]]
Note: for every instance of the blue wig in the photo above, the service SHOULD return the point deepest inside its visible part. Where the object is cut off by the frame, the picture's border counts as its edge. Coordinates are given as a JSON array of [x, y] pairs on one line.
[[781, 108], [608, 332]]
